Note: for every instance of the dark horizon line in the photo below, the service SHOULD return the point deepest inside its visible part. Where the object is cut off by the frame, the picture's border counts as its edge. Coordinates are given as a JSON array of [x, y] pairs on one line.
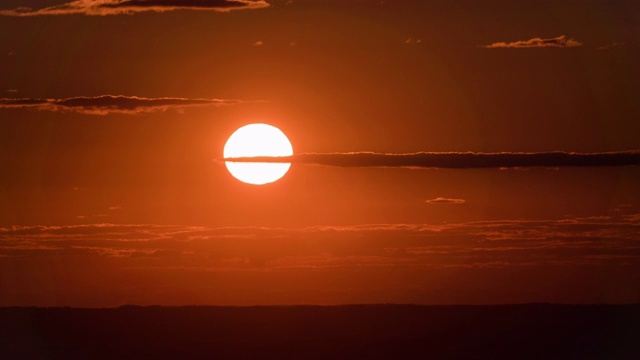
[[454, 160], [134, 306]]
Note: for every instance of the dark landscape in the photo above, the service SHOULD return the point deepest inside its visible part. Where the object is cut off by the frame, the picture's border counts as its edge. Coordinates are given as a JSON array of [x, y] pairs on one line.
[[529, 331]]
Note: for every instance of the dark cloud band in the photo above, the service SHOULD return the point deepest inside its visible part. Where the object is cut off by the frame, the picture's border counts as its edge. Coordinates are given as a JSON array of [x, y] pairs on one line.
[[118, 7], [453, 160], [106, 104]]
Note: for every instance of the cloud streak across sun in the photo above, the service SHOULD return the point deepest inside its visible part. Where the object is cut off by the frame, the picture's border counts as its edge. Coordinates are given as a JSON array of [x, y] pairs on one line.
[[457, 160], [558, 42], [111, 104], [128, 7]]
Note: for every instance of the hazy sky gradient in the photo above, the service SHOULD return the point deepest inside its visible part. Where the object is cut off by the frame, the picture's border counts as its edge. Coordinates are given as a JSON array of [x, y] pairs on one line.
[[135, 206]]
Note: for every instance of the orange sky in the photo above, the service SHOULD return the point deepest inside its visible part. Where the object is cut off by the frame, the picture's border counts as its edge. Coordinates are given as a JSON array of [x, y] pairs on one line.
[[110, 127]]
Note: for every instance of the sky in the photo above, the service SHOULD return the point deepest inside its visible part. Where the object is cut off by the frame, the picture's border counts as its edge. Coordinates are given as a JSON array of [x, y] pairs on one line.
[[114, 114]]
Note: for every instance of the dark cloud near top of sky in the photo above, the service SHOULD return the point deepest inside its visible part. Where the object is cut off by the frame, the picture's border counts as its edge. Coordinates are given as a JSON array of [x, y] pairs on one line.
[[560, 42], [107, 104], [457, 160], [118, 7]]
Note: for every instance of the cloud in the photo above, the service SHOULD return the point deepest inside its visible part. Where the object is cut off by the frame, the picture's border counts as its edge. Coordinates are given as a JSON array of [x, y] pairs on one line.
[[560, 41], [139, 263], [441, 200], [258, 43], [456, 160], [11, 90], [412, 41], [109, 104], [611, 46], [578, 241], [118, 7]]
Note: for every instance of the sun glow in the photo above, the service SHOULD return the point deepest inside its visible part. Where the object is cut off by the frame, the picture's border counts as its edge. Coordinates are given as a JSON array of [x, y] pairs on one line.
[[257, 140]]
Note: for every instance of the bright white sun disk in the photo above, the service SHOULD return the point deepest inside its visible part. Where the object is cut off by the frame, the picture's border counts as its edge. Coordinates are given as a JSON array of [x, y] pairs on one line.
[[257, 140]]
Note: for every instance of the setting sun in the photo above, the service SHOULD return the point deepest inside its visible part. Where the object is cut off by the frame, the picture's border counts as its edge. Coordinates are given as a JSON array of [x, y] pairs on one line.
[[257, 140], [474, 153]]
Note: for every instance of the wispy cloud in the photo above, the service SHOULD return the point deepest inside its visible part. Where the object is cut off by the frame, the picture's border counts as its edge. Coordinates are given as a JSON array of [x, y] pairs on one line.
[[118, 7], [412, 41], [561, 42], [252, 262], [611, 46], [108, 104], [456, 160], [499, 243], [442, 200]]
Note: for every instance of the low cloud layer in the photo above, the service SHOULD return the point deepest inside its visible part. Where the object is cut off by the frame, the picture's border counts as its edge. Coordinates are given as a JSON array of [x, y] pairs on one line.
[[144, 264], [561, 41], [453, 160], [502, 243], [108, 104], [119, 7]]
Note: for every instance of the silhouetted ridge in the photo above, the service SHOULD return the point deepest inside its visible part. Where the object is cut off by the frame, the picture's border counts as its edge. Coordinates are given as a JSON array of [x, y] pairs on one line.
[[532, 331]]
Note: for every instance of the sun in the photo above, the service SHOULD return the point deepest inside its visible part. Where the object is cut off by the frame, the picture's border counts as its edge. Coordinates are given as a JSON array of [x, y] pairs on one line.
[[257, 140]]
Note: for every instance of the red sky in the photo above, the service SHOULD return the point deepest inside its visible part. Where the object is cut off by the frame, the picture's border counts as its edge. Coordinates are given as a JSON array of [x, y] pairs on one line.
[[110, 127]]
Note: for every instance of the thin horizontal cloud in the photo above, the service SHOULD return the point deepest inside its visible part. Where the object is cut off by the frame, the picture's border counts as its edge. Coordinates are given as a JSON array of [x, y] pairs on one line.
[[560, 42], [108, 104], [611, 46], [442, 200], [119, 7], [455, 160]]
